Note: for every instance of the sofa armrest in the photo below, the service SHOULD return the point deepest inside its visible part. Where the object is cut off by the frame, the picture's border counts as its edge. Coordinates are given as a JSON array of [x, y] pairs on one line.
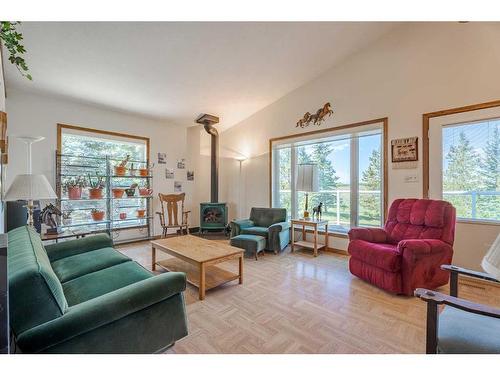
[[279, 227], [73, 247], [368, 234], [102, 310], [238, 225]]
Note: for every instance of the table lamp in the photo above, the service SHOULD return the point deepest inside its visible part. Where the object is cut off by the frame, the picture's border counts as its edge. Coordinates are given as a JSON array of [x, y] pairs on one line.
[[491, 261], [30, 187], [307, 181]]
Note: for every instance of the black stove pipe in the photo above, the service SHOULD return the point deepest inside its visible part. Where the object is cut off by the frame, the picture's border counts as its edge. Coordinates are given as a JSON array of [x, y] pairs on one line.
[[214, 162]]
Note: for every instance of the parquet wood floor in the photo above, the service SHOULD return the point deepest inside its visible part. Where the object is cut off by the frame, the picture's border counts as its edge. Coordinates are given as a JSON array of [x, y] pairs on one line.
[[295, 303]]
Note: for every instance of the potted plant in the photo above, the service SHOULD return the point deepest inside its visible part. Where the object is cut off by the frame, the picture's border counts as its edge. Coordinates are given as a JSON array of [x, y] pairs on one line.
[[146, 170], [131, 190], [118, 192], [145, 192], [96, 185], [74, 186], [97, 214], [121, 168], [123, 215], [141, 212]]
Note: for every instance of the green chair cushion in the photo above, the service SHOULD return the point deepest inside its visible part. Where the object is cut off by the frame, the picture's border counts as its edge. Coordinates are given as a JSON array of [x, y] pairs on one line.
[[78, 265], [96, 284], [461, 332], [257, 231], [251, 243]]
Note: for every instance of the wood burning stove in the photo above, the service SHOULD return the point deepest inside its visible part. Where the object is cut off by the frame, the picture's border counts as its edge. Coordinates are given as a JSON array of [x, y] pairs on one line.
[[213, 215]]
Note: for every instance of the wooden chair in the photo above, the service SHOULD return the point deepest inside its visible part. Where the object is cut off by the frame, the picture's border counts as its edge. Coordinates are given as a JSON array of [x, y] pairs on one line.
[[463, 326], [171, 201]]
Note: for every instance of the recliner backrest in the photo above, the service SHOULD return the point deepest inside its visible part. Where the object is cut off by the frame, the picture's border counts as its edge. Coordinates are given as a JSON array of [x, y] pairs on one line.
[[35, 293], [419, 219], [265, 217]]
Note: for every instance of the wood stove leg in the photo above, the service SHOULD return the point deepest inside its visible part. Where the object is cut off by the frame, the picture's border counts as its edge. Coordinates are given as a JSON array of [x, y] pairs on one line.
[[153, 258]]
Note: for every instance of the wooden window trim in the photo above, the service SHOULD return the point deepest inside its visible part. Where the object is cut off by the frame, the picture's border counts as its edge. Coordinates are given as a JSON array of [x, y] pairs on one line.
[[385, 126], [60, 128], [425, 146]]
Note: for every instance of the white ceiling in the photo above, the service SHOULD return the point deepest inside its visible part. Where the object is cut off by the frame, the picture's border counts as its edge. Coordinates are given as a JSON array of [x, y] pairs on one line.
[[175, 71]]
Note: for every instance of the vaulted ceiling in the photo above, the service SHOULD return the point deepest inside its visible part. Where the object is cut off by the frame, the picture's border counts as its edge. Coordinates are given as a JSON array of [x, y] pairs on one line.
[[174, 71]]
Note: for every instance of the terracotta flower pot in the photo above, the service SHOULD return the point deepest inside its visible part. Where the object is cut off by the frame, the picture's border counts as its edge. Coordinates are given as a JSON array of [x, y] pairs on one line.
[[120, 171], [123, 215], [143, 172], [141, 213], [95, 193], [117, 193], [74, 192], [97, 215], [145, 191]]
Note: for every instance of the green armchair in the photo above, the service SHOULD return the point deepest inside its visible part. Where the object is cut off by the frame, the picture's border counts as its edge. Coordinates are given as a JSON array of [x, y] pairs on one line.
[[270, 223], [82, 296]]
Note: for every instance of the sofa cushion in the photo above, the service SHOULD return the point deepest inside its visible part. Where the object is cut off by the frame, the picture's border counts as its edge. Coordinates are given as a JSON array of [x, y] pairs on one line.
[[97, 283], [36, 294], [256, 231], [382, 255], [461, 332], [265, 217], [420, 219], [78, 265]]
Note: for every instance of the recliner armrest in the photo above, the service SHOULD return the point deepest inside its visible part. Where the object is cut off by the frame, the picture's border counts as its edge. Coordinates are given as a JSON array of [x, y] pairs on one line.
[[238, 225], [279, 227], [423, 246], [73, 247], [102, 310], [368, 234]]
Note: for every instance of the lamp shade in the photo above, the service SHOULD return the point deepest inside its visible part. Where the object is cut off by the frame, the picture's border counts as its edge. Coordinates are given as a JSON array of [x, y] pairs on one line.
[[491, 261], [30, 187], [307, 178]]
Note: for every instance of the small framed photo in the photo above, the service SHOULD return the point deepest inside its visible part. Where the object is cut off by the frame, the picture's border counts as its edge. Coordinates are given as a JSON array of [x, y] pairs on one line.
[[404, 149], [190, 175], [181, 164], [162, 158], [169, 173], [178, 186]]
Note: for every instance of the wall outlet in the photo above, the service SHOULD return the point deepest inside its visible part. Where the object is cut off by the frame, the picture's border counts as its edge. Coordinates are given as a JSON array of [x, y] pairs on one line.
[[410, 178]]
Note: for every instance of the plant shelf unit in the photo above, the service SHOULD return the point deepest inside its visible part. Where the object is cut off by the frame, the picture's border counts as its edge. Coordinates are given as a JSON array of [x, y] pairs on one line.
[[73, 166]]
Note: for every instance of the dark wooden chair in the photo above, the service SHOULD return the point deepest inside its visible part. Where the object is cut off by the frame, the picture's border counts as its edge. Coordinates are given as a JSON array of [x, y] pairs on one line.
[[169, 215], [463, 326]]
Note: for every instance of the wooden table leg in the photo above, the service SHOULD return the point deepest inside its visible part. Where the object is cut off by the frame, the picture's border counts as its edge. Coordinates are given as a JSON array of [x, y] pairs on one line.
[[202, 281], [293, 238], [327, 237], [241, 269], [315, 240], [153, 258]]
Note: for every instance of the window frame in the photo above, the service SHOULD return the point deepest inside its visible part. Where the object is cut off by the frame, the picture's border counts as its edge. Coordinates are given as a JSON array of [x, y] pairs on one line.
[[384, 121], [426, 122]]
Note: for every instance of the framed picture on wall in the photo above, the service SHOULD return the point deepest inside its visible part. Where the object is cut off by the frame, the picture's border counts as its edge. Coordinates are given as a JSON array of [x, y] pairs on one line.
[[404, 149]]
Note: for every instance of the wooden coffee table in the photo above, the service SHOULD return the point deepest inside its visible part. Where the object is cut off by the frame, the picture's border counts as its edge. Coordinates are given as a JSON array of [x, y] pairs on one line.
[[197, 257]]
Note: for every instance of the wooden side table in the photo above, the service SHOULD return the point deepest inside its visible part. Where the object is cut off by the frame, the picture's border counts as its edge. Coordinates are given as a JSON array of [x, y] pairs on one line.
[[315, 246]]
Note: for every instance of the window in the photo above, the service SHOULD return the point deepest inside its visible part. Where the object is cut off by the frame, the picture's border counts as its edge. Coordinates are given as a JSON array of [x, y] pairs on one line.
[[350, 167], [471, 168], [86, 154]]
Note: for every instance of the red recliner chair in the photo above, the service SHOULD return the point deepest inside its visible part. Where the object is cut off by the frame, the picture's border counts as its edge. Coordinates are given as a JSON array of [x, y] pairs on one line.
[[409, 251]]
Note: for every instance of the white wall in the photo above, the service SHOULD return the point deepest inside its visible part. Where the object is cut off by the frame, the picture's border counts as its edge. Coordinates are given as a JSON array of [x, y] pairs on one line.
[[418, 68], [38, 115]]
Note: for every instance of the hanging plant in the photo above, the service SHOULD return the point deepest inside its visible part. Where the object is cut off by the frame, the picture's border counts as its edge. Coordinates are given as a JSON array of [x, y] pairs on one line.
[[11, 39]]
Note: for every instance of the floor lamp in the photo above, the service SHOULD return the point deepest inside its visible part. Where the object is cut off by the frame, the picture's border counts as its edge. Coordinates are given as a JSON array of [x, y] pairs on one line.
[[30, 187]]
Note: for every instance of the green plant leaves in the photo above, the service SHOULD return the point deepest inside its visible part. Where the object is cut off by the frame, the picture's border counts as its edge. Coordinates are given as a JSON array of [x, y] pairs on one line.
[[11, 40]]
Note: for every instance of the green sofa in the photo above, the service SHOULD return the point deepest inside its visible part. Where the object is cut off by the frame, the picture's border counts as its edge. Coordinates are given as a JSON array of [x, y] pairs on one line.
[[83, 296], [270, 223]]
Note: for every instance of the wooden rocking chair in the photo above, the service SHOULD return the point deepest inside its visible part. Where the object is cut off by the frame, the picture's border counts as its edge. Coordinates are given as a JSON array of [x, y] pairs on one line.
[[171, 201]]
